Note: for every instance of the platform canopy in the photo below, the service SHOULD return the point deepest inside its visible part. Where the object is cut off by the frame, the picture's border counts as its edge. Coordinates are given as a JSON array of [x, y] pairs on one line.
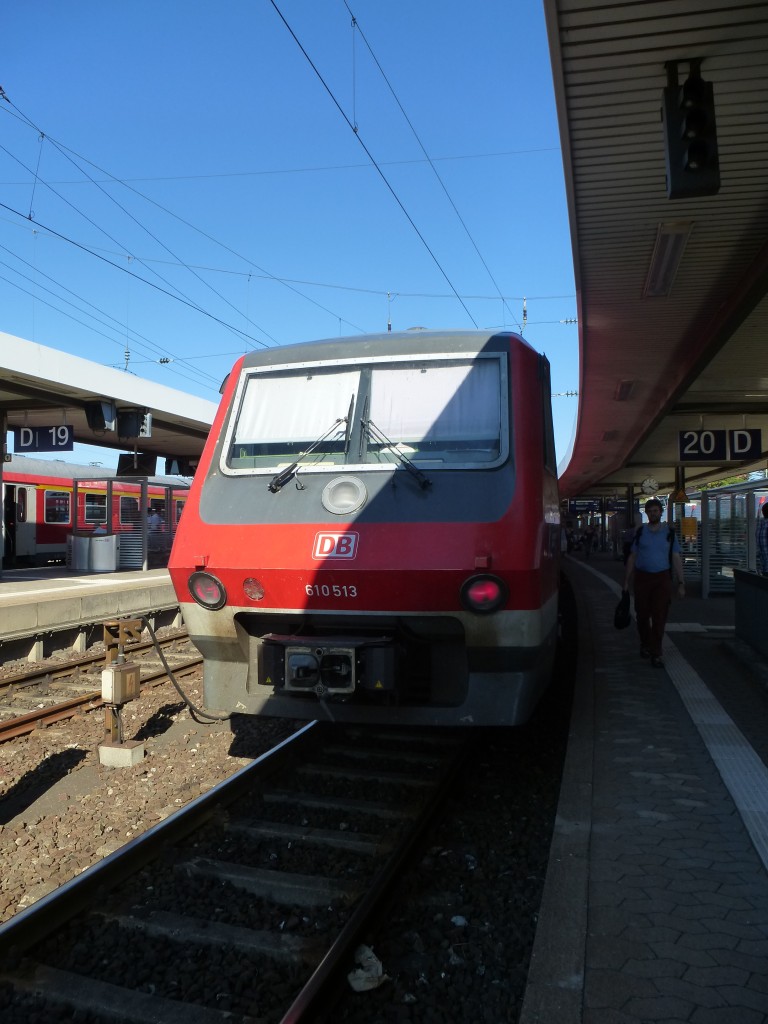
[[42, 389], [671, 285]]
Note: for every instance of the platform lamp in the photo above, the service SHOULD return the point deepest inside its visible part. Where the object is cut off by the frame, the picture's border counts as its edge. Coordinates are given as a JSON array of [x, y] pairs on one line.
[[668, 249]]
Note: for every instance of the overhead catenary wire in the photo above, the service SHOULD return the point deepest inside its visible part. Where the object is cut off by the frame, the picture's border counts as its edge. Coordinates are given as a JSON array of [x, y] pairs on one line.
[[33, 220], [42, 229], [117, 324], [202, 377], [264, 275], [124, 183], [356, 27], [285, 281], [125, 270], [120, 207], [213, 175], [375, 164]]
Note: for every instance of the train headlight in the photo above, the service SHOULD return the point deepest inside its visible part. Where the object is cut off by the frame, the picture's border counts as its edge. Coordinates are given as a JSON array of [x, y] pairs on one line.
[[207, 590], [344, 495], [253, 589], [483, 594]]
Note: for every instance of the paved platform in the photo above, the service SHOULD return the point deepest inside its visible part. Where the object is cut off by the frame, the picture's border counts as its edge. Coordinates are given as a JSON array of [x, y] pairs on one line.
[[40, 602], [656, 900]]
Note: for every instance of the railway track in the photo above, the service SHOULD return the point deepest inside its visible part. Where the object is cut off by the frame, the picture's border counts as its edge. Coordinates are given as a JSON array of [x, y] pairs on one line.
[[246, 906], [42, 696]]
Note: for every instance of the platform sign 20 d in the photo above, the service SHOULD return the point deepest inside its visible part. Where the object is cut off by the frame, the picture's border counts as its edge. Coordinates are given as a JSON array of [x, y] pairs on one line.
[[741, 445], [43, 439]]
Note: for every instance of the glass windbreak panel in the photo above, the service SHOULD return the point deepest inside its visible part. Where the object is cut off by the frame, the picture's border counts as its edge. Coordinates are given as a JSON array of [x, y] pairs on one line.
[[283, 414], [129, 511], [436, 412], [95, 508]]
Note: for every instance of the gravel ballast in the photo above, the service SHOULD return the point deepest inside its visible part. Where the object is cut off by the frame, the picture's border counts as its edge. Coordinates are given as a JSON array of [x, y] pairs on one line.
[[456, 941], [61, 810]]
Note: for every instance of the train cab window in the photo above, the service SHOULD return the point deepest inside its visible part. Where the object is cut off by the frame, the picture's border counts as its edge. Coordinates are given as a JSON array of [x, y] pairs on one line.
[[437, 412], [283, 414], [95, 508], [56, 507]]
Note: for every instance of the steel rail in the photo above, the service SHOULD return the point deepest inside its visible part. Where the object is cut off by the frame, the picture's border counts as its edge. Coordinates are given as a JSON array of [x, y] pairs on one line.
[[314, 995], [37, 923], [33, 924], [30, 676], [22, 725]]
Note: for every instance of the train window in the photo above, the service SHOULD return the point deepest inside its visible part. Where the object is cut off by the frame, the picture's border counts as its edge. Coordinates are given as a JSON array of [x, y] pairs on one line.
[[439, 411], [95, 508], [282, 414], [179, 509], [21, 505], [56, 506]]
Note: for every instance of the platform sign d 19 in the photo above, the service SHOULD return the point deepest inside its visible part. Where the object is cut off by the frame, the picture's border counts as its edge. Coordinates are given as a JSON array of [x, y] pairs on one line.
[[43, 439]]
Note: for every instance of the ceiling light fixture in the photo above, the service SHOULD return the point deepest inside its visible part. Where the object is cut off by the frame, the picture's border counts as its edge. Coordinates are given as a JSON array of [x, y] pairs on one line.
[[671, 240], [624, 389]]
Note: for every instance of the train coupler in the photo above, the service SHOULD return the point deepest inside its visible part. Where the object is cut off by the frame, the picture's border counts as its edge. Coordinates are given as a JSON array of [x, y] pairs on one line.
[[326, 665]]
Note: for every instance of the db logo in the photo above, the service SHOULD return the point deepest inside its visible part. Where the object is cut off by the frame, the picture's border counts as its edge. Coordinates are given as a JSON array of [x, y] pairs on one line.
[[335, 545]]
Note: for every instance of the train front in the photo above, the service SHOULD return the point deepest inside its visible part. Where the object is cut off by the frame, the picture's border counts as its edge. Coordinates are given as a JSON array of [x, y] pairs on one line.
[[372, 534]]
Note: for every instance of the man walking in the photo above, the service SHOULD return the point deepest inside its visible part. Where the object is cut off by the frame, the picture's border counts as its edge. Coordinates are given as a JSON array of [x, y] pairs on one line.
[[653, 559]]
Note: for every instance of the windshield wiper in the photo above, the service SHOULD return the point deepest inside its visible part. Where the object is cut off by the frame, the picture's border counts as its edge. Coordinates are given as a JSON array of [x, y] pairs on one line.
[[282, 478], [380, 438]]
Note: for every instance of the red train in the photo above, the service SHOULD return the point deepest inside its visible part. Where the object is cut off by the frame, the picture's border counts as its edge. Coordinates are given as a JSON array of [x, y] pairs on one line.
[[39, 512], [373, 532]]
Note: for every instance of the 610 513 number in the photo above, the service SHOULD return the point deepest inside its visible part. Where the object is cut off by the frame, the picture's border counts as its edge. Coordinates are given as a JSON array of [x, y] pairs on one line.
[[330, 590]]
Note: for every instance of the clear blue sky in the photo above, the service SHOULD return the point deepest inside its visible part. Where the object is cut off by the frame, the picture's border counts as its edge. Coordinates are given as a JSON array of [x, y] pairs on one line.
[[178, 182]]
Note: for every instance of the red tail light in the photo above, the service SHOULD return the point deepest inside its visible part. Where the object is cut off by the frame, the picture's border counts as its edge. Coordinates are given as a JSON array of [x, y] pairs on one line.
[[207, 590], [483, 594]]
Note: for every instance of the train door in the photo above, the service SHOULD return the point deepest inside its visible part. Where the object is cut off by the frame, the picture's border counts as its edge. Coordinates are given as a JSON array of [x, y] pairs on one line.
[[19, 522]]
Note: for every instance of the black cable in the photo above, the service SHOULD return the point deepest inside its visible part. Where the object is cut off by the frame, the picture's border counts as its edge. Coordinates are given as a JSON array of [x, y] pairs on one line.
[[199, 716]]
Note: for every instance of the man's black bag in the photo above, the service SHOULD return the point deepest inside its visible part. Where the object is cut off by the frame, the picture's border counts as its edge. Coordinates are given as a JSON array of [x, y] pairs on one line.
[[622, 617]]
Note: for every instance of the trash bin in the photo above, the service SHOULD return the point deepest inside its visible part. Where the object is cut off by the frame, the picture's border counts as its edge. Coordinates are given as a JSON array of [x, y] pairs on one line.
[[104, 552], [78, 551]]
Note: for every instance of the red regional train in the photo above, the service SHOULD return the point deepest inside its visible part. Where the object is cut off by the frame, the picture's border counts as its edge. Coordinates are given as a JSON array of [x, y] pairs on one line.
[[373, 532], [39, 513]]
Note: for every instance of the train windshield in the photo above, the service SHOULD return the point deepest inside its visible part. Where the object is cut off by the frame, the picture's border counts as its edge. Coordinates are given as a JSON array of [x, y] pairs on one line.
[[435, 412]]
